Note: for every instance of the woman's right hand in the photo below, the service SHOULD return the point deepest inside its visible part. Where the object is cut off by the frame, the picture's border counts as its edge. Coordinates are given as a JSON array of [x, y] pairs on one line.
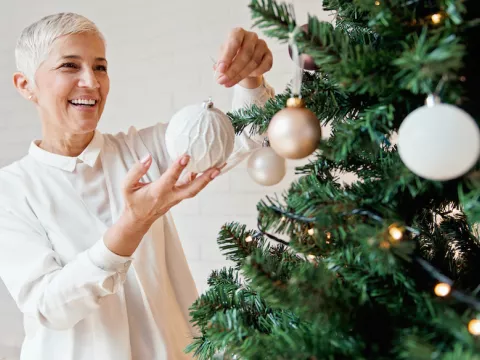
[[146, 202]]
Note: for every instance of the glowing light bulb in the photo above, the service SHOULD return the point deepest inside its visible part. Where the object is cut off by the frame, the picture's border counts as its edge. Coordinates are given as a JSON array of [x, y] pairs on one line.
[[442, 289], [395, 232], [436, 18], [248, 239], [474, 327], [311, 231], [311, 257], [377, 3]]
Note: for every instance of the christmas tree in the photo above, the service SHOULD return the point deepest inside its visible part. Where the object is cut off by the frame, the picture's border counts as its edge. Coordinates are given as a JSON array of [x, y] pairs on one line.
[[386, 267]]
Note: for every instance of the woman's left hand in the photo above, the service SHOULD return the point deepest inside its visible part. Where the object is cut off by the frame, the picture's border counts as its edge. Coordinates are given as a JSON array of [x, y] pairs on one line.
[[244, 58]]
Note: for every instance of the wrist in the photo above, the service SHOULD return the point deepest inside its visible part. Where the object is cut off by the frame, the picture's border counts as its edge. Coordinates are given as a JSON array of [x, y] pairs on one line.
[[131, 225], [125, 235], [251, 82]]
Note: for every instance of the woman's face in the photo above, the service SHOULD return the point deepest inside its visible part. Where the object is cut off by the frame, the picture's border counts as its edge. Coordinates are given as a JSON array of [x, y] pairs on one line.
[[72, 84]]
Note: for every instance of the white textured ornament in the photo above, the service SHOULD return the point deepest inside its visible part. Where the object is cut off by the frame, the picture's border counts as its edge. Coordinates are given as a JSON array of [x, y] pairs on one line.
[[203, 132], [439, 141], [266, 167]]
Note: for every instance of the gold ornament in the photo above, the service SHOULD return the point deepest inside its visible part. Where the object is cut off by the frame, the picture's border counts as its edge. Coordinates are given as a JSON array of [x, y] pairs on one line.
[[294, 132]]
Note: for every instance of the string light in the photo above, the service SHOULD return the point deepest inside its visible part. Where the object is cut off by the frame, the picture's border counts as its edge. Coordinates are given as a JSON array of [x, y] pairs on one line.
[[283, 219], [442, 289], [474, 327], [248, 239], [329, 236], [311, 231], [377, 3], [311, 257], [395, 232], [436, 18]]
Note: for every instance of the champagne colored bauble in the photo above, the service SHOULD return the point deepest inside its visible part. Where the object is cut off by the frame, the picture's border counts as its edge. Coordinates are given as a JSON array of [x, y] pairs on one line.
[[294, 132], [439, 142], [203, 132], [266, 167]]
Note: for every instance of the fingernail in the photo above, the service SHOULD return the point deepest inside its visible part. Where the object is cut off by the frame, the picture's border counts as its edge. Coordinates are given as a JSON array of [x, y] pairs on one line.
[[222, 79], [215, 174], [185, 160], [145, 160]]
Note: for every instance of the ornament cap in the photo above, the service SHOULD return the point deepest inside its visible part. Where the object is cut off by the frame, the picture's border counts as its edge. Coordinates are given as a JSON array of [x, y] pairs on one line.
[[432, 100], [295, 102], [208, 104]]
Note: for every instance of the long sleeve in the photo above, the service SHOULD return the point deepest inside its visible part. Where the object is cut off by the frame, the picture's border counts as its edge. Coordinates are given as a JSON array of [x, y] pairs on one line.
[[57, 296]]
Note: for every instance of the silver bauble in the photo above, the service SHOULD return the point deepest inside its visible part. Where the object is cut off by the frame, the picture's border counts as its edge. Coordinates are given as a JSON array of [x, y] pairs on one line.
[[266, 167]]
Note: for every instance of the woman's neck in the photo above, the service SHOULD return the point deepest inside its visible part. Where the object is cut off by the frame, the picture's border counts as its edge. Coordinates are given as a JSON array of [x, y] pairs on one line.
[[65, 144]]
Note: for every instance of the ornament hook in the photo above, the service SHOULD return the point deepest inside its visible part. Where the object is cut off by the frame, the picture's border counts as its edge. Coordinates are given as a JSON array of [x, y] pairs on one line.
[[265, 142]]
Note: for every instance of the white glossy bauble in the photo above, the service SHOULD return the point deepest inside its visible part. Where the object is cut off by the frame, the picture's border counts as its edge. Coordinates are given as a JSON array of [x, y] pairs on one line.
[[203, 132], [439, 142]]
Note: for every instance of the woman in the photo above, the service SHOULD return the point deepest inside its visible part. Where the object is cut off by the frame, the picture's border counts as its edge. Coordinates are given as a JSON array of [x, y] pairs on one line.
[[88, 248]]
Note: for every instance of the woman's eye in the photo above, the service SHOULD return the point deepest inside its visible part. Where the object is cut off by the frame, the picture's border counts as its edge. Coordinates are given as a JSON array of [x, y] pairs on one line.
[[69, 65], [101, 68]]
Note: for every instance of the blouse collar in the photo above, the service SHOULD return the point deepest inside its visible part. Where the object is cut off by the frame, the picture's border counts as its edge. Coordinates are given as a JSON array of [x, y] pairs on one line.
[[68, 163]]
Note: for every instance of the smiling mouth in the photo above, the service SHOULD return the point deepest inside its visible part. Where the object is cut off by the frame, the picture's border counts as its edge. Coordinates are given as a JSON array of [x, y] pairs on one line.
[[83, 103]]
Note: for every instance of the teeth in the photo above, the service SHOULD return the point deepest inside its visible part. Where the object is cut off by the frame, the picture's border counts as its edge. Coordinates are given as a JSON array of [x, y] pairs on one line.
[[83, 102]]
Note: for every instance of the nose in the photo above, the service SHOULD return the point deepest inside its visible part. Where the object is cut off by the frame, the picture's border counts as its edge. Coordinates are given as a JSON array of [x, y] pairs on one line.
[[88, 79]]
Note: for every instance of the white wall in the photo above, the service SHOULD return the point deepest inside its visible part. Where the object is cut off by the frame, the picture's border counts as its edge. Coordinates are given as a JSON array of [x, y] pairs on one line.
[[159, 56]]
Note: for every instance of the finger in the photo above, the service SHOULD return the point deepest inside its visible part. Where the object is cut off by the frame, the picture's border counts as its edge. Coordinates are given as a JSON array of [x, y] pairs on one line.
[[137, 172], [265, 65], [230, 49], [254, 63], [243, 57], [192, 189], [173, 173]]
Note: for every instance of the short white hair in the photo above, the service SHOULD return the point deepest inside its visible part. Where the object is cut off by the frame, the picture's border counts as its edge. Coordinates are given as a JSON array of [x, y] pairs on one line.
[[36, 40]]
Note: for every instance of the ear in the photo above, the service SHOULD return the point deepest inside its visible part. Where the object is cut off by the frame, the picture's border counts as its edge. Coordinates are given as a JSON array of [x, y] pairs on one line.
[[23, 86]]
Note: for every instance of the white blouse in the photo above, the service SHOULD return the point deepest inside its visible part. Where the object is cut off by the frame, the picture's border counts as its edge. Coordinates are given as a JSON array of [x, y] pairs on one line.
[[80, 301]]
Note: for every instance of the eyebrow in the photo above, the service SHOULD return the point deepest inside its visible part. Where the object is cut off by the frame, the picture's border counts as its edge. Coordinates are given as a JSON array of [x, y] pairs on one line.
[[77, 57]]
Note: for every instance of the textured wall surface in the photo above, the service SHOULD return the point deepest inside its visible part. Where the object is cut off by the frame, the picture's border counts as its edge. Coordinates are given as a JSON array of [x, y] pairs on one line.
[[159, 61]]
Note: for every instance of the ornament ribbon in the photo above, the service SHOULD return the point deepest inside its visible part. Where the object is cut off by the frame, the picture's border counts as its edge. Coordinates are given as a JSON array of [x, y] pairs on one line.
[[298, 63]]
